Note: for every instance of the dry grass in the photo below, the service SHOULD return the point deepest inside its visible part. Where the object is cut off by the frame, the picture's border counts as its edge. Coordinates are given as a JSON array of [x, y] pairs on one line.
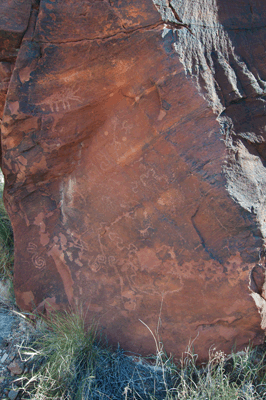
[[62, 355], [70, 363], [6, 241]]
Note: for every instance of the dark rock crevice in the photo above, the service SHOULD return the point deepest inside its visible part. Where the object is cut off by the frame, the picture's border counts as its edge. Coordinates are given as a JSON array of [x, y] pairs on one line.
[[202, 240]]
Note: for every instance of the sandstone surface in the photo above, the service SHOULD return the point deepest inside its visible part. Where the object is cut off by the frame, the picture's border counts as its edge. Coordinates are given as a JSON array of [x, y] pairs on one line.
[[14, 18], [133, 142]]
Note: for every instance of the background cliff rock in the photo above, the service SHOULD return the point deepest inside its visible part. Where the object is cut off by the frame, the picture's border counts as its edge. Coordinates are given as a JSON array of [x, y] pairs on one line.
[[133, 152]]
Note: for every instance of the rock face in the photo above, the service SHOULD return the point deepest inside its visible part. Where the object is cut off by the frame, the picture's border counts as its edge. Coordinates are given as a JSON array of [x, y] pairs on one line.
[[14, 17], [133, 142]]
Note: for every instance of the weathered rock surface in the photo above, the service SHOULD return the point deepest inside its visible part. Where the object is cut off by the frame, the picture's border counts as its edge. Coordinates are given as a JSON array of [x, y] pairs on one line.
[[134, 158], [14, 18]]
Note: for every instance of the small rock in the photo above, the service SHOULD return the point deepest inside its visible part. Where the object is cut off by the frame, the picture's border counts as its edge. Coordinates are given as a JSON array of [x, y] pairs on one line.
[[2, 378], [11, 356], [12, 395], [4, 357], [15, 368], [5, 291]]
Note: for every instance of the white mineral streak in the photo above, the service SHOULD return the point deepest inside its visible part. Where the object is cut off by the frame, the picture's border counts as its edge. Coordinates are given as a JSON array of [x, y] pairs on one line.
[[1, 179], [67, 189]]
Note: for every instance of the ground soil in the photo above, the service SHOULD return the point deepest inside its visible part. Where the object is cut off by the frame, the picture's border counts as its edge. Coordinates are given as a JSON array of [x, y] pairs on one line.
[[15, 331]]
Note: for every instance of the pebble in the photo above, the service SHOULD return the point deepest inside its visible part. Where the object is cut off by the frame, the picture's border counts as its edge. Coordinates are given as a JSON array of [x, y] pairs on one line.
[[12, 395], [15, 368], [4, 357]]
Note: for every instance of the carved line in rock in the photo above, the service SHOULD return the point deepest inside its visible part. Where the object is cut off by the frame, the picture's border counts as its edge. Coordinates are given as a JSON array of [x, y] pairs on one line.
[[104, 260], [38, 261], [60, 102], [201, 48]]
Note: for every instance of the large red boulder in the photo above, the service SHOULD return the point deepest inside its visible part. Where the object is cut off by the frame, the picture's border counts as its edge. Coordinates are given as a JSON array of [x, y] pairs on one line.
[[133, 151]]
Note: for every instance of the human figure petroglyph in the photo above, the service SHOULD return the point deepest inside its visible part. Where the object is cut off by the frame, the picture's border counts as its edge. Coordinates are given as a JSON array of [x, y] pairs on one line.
[[117, 128], [117, 145], [126, 127]]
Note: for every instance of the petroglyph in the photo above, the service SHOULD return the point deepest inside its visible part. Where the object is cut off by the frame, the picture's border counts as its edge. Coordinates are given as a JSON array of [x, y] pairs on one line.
[[118, 241], [126, 128], [60, 101], [38, 261], [118, 130], [134, 187], [104, 159], [98, 263], [111, 260], [150, 175], [145, 232]]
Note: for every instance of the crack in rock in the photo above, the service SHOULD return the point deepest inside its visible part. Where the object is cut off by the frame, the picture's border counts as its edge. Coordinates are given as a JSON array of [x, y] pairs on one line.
[[202, 240], [117, 34]]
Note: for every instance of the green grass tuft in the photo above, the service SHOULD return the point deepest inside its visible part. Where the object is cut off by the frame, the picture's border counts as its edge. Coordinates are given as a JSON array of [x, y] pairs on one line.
[[63, 354], [239, 376], [71, 363], [6, 241]]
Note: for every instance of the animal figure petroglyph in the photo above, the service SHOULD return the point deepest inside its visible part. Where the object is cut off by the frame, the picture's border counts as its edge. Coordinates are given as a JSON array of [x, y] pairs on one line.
[[60, 101]]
